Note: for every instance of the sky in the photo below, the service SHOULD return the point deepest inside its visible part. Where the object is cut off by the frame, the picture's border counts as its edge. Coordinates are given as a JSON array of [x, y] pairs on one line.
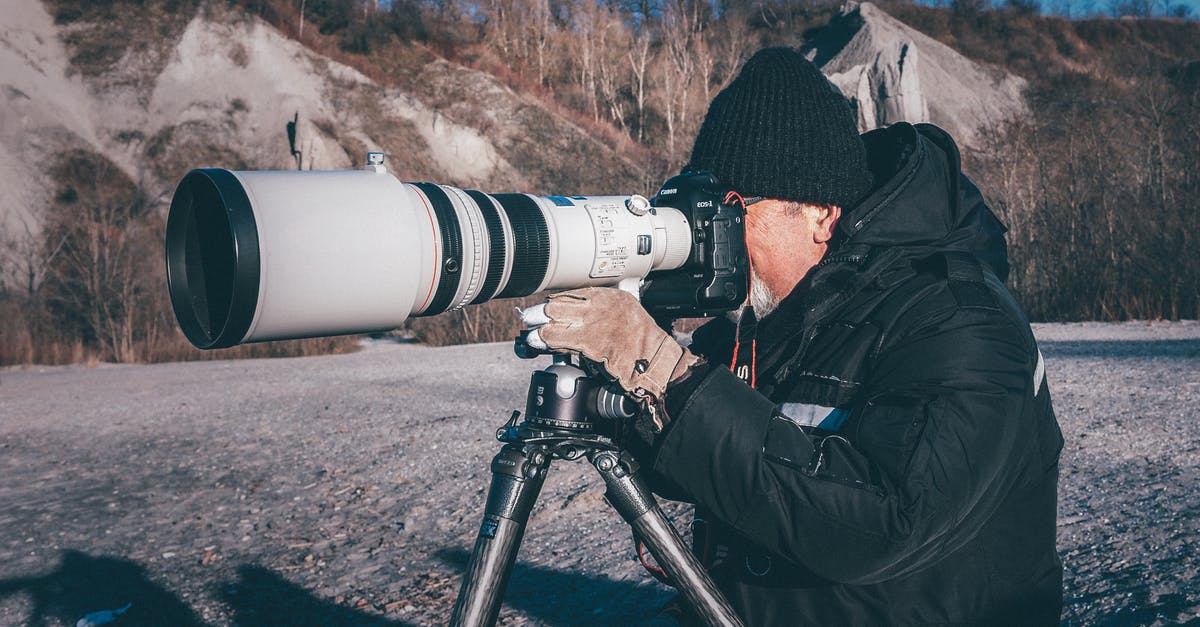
[[1084, 7]]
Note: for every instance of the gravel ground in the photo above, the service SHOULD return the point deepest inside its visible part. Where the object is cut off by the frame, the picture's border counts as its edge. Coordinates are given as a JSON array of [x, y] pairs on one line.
[[348, 489]]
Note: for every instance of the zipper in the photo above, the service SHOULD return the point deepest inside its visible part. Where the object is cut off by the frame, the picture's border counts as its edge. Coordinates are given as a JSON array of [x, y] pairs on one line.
[[840, 259]]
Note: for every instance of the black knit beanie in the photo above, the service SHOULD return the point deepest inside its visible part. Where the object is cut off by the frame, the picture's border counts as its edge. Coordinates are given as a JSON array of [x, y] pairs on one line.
[[781, 130]]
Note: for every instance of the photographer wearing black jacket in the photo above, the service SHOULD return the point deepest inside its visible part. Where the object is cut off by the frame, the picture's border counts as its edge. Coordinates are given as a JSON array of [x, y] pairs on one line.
[[873, 442]]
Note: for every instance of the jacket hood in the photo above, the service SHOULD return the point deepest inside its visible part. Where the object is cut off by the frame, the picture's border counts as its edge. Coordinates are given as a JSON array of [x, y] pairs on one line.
[[923, 200], [922, 206]]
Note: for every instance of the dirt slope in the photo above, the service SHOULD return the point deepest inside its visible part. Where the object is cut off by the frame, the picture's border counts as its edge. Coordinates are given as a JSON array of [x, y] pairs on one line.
[[219, 92]]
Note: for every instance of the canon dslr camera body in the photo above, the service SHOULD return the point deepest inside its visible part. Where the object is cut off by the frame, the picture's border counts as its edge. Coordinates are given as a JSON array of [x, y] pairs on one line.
[[716, 276]]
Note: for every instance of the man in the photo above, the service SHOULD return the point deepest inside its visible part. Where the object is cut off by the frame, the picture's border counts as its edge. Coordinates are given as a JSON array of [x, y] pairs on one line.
[[889, 453]]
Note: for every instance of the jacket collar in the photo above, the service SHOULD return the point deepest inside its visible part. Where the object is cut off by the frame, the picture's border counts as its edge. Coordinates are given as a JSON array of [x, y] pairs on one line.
[[922, 206]]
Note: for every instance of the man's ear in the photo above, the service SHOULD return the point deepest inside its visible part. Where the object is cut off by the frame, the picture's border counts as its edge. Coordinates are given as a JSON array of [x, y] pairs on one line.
[[827, 220]]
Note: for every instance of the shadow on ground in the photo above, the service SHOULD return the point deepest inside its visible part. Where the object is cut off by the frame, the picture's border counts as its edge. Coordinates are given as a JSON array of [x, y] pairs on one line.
[[83, 584], [557, 597], [260, 598]]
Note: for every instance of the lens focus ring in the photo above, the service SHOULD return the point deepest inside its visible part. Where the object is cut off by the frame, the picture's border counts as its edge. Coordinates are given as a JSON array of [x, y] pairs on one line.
[[475, 242], [531, 245], [496, 246]]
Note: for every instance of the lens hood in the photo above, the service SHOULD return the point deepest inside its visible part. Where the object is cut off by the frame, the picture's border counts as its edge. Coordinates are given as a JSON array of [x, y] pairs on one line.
[[212, 258]]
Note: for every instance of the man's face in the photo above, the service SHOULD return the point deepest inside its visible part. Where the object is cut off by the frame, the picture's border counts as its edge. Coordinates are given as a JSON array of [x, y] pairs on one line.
[[786, 241]]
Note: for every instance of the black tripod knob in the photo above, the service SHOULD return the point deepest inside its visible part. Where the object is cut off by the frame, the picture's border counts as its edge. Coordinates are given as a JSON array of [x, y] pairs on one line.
[[522, 348]]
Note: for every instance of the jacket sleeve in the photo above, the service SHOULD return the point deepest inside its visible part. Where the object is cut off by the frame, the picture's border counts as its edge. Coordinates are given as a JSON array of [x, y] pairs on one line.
[[953, 395]]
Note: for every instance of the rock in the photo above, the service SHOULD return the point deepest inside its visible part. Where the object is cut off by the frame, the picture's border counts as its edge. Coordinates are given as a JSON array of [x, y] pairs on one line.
[[894, 73], [103, 617]]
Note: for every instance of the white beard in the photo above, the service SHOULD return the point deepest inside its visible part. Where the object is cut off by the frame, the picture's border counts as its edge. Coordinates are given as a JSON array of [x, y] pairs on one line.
[[761, 298]]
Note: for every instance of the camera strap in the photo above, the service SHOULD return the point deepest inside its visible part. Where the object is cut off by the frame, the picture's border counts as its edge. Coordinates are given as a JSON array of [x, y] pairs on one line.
[[745, 353], [745, 347]]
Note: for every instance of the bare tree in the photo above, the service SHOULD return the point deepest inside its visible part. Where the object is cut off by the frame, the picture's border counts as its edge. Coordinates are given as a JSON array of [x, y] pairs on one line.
[[705, 63], [26, 256], [610, 60], [639, 57], [678, 67], [592, 27], [100, 286], [101, 277], [732, 43], [543, 35]]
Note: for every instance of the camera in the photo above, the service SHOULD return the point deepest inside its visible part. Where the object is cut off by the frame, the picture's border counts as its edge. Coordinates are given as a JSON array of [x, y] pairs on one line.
[[258, 255]]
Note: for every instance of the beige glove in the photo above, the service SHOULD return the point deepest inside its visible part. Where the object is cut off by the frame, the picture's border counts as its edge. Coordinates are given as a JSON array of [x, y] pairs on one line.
[[609, 326]]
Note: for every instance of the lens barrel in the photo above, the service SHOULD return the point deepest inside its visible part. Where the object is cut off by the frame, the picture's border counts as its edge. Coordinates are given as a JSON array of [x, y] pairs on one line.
[[255, 256]]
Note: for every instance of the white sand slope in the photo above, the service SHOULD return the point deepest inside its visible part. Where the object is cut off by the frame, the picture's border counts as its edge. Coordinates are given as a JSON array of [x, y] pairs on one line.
[[216, 64], [42, 106], [895, 73], [222, 99]]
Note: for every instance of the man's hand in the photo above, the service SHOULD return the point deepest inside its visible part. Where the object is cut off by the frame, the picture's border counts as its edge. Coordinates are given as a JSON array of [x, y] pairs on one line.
[[608, 326]]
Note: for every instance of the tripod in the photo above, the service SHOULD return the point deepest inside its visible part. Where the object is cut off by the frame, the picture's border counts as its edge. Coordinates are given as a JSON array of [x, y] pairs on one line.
[[567, 415]]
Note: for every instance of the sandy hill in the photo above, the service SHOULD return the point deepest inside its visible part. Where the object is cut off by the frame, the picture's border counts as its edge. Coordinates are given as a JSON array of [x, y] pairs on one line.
[[893, 72], [156, 93], [220, 91]]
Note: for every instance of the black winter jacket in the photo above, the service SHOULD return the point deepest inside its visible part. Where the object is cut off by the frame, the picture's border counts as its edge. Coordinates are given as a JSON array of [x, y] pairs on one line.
[[897, 463]]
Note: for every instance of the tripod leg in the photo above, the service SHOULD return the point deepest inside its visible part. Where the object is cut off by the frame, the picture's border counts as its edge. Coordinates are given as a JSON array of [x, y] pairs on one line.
[[629, 496], [517, 477]]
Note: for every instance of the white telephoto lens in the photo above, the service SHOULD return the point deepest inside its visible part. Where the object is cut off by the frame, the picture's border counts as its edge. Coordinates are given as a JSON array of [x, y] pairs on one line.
[[256, 256]]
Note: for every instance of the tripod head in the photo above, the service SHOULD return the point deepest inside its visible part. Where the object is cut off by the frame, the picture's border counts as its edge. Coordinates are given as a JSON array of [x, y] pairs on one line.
[[569, 400]]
